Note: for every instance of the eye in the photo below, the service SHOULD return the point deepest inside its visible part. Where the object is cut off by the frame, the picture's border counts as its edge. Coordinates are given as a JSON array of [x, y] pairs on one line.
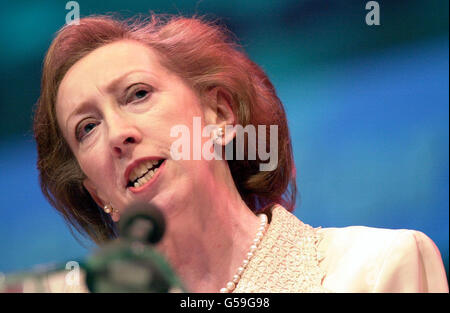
[[138, 94], [84, 128], [141, 93]]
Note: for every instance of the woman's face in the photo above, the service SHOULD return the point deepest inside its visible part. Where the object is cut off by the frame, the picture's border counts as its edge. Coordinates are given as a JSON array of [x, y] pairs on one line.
[[115, 108]]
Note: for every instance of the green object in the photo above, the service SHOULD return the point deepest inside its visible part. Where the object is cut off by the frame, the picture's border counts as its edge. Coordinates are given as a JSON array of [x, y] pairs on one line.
[[130, 266]]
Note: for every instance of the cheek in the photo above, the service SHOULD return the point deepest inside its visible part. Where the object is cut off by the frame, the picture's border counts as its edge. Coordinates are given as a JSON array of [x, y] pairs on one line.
[[181, 106], [96, 166]]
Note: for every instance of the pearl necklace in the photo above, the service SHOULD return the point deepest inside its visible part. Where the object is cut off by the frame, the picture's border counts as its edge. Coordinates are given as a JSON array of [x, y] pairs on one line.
[[231, 285]]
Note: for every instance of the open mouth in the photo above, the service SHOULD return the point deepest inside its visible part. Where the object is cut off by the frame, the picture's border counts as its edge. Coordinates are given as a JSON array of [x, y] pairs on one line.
[[143, 173]]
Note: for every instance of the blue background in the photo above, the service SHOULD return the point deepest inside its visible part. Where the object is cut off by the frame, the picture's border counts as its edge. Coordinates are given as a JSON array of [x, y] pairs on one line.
[[367, 108]]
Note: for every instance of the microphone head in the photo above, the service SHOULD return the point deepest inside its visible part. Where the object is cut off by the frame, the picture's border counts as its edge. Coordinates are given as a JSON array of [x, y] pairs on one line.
[[142, 222], [131, 264]]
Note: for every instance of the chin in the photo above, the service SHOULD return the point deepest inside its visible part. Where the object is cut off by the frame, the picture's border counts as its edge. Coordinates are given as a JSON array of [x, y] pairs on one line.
[[170, 203]]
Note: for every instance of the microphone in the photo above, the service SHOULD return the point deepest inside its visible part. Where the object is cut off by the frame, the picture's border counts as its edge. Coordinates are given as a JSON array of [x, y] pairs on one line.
[[142, 222], [127, 264], [130, 263]]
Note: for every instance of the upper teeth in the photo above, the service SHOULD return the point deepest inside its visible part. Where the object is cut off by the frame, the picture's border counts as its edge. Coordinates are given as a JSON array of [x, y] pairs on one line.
[[141, 169]]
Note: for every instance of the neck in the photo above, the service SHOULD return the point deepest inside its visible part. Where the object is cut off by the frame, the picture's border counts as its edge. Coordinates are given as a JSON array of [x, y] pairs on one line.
[[207, 241]]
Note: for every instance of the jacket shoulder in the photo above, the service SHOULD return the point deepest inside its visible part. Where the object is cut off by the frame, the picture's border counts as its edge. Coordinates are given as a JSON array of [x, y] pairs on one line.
[[367, 259]]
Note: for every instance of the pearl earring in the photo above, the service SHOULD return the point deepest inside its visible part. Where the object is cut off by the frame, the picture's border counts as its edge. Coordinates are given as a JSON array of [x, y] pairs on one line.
[[112, 211], [107, 208], [218, 134]]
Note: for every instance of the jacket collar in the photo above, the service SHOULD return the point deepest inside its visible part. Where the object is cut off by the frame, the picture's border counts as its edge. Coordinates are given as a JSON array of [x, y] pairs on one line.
[[287, 259]]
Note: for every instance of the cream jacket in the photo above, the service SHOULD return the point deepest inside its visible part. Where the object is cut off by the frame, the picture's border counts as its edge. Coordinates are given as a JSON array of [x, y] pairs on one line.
[[295, 257]]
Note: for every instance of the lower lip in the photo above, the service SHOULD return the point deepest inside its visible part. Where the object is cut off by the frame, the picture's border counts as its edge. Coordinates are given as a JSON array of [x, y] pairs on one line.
[[150, 182]]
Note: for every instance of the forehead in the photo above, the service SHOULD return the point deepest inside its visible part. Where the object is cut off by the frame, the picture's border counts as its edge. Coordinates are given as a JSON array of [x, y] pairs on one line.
[[105, 64]]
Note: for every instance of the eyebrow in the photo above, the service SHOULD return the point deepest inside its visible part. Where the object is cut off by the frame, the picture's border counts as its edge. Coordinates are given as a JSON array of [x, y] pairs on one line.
[[83, 106], [113, 84]]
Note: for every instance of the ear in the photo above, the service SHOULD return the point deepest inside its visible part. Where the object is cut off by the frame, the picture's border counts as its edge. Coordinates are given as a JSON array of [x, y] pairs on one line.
[[219, 111], [87, 183]]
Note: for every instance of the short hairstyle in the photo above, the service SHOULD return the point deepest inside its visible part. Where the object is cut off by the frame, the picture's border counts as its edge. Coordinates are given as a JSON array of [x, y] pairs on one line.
[[203, 53]]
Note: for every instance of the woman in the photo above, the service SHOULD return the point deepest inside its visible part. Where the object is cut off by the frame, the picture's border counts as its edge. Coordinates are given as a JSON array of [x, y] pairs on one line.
[[113, 94]]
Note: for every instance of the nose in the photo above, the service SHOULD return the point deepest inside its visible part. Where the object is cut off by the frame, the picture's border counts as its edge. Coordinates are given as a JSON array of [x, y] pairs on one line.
[[123, 136]]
